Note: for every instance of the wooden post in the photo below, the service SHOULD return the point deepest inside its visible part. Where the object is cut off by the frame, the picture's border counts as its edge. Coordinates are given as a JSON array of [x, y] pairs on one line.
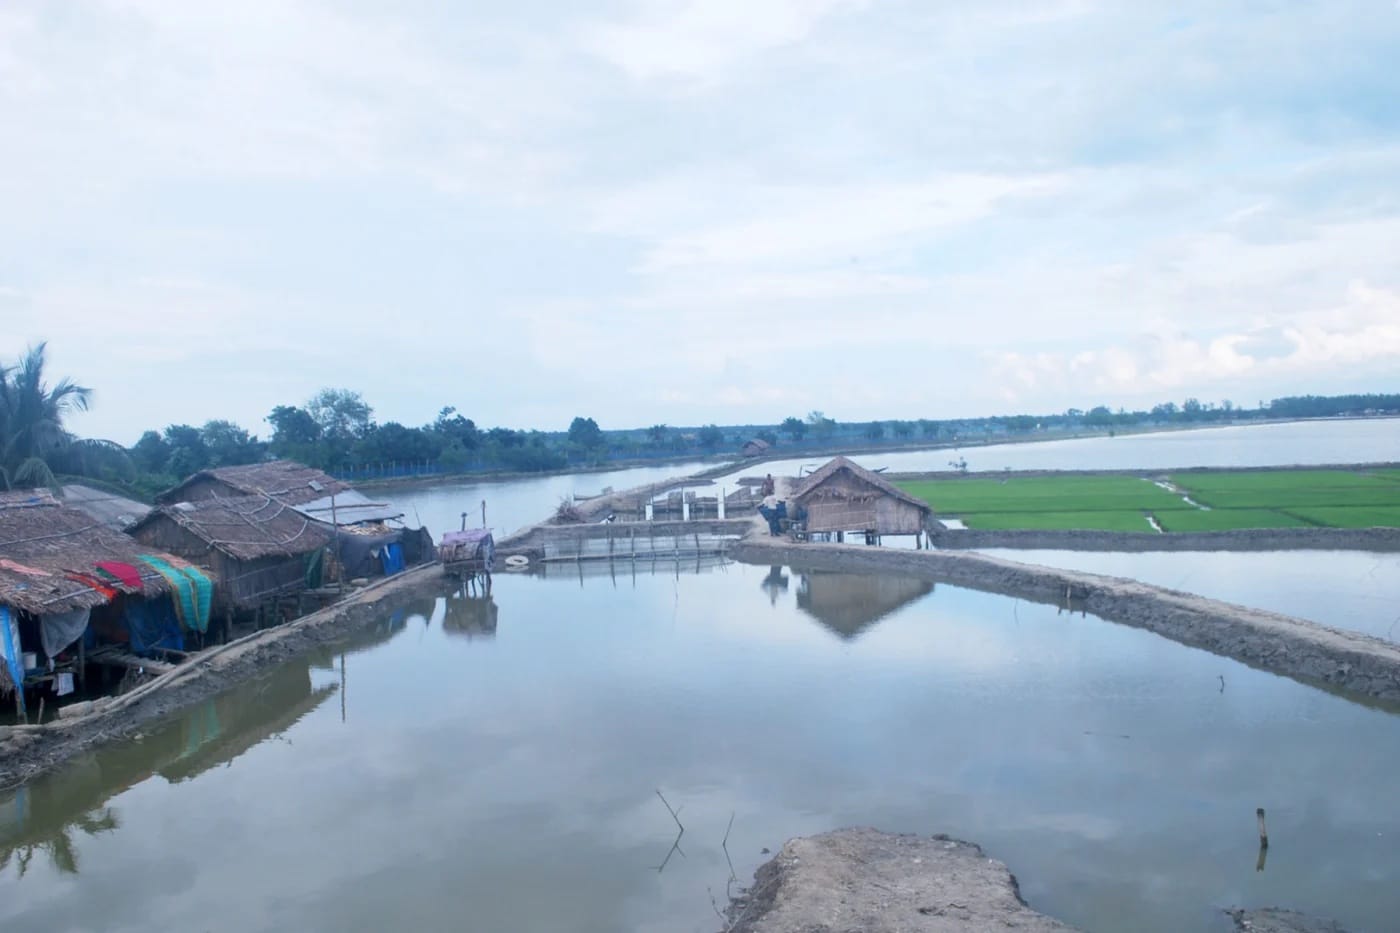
[[1263, 830], [483, 513], [82, 663]]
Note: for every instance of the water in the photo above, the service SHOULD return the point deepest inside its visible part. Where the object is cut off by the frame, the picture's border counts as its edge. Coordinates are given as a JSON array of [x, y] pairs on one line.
[[514, 504], [1285, 444], [1356, 590], [496, 764]]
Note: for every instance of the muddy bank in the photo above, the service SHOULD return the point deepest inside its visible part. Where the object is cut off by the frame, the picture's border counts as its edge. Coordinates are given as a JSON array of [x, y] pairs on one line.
[[876, 882], [1245, 539], [1355, 665], [26, 751], [863, 879]]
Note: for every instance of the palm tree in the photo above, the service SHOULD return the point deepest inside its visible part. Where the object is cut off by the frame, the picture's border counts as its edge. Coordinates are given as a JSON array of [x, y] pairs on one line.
[[31, 419]]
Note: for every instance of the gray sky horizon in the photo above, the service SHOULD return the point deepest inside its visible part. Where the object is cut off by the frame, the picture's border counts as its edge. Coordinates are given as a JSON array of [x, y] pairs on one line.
[[694, 211]]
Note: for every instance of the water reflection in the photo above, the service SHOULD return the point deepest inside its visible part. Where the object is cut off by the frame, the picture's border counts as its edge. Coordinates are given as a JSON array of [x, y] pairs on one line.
[[849, 603], [775, 584], [470, 614], [50, 814]]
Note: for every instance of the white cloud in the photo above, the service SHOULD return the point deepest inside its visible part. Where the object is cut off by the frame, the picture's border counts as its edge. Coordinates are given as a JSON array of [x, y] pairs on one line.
[[702, 39]]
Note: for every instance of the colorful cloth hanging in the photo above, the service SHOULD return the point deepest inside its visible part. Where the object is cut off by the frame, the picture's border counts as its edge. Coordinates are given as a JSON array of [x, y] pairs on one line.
[[125, 574]]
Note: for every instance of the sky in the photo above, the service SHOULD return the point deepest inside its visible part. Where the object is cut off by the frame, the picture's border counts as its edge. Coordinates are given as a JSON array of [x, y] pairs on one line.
[[693, 211]]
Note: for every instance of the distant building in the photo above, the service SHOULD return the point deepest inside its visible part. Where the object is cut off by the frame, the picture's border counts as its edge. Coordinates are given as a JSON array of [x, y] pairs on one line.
[[845, 497], [757, 447]]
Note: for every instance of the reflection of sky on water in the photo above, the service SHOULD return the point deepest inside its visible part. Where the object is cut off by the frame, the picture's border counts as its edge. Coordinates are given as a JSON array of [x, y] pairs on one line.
[[513, 504], [509, 782], [1356, 590]]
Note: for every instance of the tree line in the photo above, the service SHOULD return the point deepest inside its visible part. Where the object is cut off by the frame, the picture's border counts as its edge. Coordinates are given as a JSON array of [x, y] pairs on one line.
[[335, 430]]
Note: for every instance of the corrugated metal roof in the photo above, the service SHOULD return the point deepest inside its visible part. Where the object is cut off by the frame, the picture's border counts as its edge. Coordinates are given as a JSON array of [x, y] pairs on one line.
[[352, 507], [110, 509]]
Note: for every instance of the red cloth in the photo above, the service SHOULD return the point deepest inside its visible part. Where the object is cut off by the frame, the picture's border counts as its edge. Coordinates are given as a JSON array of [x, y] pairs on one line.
[[88, 580], [127, 574]]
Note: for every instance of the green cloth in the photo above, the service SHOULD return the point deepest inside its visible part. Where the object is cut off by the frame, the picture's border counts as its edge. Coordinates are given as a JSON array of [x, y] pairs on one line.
[[191, 591], [315, 568]]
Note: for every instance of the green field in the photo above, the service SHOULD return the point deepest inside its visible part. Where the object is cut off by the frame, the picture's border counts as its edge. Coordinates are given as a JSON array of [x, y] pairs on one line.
[[1067, 494], [1233, 500], [1228, 520], [1058, 521]]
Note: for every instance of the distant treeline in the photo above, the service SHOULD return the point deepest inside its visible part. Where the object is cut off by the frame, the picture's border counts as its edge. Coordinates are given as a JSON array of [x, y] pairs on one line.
[[336, 431]]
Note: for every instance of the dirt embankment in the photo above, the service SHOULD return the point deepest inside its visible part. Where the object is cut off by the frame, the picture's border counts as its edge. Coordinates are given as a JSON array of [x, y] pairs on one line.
[[1357, 665], [863, 879], [875, 882], [1244, 539], [26, 751]]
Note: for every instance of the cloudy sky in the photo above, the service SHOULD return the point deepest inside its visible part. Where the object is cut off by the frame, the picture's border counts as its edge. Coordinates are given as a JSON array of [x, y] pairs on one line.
[[688, 211]]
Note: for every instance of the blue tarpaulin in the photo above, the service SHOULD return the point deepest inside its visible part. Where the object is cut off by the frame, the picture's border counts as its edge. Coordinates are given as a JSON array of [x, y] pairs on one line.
[[9, 642], [392, 556], [152, 624]]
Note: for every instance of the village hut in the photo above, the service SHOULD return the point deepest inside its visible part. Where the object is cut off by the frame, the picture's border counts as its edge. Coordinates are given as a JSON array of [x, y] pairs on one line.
[[756, 447], [259, 548], [850, 603], [843, 496], [66, 579], [284, 480]]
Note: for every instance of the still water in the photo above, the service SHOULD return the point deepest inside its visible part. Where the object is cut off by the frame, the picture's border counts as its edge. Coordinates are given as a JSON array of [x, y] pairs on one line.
[[492, 764], [514, 504], [1375, 440], [1356, 590]]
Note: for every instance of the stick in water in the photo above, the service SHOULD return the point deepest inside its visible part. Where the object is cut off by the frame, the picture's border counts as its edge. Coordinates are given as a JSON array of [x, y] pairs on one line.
[[1263, 831]]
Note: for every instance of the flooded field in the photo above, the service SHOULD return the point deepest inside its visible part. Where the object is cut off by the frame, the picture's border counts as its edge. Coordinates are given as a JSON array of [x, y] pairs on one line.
[[494, 763]]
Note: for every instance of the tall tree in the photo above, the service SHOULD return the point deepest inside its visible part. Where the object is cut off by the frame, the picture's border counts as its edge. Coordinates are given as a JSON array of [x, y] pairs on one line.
[[31, 419], [343, 415]]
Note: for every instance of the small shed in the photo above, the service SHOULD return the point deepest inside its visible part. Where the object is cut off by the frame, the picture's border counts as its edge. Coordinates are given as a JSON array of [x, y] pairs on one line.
[[470, 551], [756, 447], [259, 548], [284, 480], [843, 496]]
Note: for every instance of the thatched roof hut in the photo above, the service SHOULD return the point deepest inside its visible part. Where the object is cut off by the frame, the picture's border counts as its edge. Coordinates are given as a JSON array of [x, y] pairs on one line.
[[284, 480], [844, 496], [756, 447], [257, 546], [43, 542]]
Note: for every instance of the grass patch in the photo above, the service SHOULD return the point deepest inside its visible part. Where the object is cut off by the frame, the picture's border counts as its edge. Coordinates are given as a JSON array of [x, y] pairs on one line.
[[1289, 489], [1227, 520], [1351, 516], [1065, 495], [1057, 521]]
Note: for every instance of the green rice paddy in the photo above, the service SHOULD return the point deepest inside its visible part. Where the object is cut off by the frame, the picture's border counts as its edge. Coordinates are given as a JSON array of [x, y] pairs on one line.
[[1223, 501]]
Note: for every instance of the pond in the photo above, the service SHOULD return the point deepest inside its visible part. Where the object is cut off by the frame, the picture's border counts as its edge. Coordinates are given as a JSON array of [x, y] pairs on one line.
[[1355, 590], [494, 764]]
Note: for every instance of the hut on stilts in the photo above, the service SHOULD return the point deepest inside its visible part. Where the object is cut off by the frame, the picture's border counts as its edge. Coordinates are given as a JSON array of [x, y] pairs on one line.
[[843, 497]]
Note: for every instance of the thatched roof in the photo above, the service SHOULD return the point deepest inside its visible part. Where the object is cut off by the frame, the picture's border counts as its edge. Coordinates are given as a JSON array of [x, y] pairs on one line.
[[244, 528], [285, 480], [41, 542], [811, 483]]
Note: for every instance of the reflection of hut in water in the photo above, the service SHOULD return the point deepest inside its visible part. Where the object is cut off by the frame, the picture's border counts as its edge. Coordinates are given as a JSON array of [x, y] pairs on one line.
[[48, 815], [849, 603], [473, 616]]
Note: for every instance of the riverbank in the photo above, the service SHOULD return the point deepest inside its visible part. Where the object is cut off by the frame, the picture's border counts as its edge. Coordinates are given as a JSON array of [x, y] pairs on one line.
[[1357, 666], [27, 751]]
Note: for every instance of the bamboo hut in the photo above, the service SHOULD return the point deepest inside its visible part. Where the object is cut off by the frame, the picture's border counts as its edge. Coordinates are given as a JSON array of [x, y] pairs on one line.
[[64, 576], [843, 496], [259, 548], [284, 480]]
